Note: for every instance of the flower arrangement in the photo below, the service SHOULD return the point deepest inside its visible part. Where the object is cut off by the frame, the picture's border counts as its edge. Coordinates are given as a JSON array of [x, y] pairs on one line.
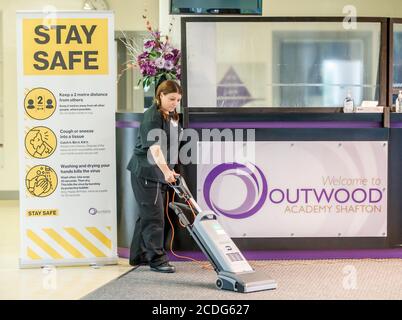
[[157, 60]]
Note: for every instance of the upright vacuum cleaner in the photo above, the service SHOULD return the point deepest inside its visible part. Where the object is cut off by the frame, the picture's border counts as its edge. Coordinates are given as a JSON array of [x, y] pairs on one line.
[[234, 272]]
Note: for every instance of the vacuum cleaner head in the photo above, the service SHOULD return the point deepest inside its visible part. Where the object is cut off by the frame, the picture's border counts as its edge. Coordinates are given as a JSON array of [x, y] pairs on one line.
[[246, 282]]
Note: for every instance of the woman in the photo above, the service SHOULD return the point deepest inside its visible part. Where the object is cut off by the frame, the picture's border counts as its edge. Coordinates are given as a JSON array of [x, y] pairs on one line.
[[151, 167]]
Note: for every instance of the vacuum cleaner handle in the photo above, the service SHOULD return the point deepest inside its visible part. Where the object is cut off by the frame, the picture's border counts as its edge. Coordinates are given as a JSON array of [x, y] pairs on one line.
[[181, 188], [182, 206], [178, 209]]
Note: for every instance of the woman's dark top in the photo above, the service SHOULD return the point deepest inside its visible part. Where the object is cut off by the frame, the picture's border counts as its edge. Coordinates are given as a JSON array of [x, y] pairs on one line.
[[165, 133]]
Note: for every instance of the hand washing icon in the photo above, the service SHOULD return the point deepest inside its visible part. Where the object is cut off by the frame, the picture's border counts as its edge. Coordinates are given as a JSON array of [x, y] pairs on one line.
[[41, 181]]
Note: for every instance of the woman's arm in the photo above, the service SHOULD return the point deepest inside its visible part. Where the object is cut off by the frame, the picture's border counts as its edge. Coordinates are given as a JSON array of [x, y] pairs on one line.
[[160, 161]]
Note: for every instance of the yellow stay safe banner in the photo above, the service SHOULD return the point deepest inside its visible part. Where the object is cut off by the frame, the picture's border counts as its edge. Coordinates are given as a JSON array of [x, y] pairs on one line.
[[65, 47]]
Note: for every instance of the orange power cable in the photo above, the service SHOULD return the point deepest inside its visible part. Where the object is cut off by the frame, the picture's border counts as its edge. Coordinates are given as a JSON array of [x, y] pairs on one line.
[[204, 266]]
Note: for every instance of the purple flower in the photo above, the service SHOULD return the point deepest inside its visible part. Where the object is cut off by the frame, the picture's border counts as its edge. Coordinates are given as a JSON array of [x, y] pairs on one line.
[[141, 63], [147, 68], [169, 65], [149, 45], [143, 55], [160, 62], [176, 53], [151, 70], [169, 56], [143, 69]]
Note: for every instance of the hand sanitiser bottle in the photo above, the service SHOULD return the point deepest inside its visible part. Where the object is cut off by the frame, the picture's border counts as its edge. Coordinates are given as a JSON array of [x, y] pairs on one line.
[[398, 102], [348, 105]]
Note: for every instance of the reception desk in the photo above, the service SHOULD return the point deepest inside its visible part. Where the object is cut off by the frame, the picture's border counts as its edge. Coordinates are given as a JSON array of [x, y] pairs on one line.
[[127, 125], [278, 129]]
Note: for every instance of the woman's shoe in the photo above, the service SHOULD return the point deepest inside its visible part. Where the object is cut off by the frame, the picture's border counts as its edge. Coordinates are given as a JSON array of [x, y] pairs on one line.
[[164, 267]]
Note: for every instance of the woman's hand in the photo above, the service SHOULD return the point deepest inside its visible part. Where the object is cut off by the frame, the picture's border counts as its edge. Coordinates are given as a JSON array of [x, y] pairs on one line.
[[170, 176]]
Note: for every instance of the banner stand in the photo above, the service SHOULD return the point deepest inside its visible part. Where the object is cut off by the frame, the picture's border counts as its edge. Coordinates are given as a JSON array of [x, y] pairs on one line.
[[66, 75]]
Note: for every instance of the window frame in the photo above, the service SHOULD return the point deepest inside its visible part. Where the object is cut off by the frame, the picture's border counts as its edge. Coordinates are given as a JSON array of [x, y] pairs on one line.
[[390, 84], [383, 71]]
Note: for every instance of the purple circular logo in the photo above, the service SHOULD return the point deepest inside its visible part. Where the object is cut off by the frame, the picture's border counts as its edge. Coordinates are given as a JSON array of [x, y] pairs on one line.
[[92, 211], [256, 193]]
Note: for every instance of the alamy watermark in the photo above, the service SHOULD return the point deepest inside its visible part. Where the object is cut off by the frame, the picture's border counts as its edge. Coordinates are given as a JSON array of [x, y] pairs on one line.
[[350, 18], [239, 145], [349, 281], [49, 280]]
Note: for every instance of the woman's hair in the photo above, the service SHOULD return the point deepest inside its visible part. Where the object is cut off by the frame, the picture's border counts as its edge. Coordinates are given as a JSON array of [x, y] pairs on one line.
[[166, 87]]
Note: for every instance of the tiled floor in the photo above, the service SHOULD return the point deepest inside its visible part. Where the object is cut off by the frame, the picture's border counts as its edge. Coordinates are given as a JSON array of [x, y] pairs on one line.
[[52, 283]]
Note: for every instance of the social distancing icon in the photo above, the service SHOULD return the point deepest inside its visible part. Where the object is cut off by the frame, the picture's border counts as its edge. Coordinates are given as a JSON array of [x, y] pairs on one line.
[[40, 142], [41, 181], [40, 103]]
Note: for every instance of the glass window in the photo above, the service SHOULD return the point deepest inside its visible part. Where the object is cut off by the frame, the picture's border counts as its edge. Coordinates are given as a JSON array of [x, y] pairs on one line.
[[397, 84], [318, 68], [271, 64]]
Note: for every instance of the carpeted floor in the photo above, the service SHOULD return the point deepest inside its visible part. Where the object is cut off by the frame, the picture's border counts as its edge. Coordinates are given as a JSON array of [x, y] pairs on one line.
[[297, 279]]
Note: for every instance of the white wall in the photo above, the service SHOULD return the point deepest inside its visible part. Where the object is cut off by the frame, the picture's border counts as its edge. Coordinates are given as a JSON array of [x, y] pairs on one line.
[[128, 16], [128, 13], [307, 8], [1, 94]]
